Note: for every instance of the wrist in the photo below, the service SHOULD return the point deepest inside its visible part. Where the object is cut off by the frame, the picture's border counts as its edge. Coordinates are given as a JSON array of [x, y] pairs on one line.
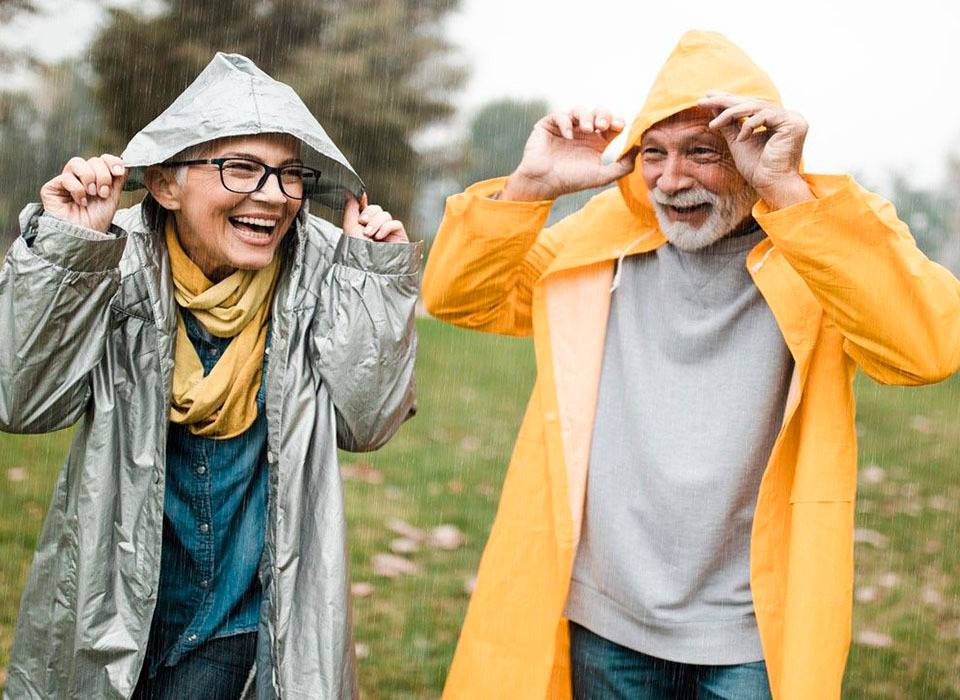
[[785, 193], [520, 188]]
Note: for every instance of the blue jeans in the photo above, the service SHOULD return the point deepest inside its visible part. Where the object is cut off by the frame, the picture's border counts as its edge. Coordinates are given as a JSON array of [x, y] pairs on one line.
[[216, 670], [603, 670]]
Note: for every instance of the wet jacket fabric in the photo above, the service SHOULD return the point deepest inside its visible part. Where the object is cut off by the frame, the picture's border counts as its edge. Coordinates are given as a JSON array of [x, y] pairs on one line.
[[89, 328], [848, 288]]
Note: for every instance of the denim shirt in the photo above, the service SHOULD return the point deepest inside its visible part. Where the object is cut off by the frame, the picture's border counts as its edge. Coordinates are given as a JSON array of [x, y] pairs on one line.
[[214, 519]]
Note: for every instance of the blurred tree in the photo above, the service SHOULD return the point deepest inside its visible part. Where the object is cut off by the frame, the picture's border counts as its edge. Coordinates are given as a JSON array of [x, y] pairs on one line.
[[39, 131], [374, 72], [925, 211], [8, 10], [496, 137]]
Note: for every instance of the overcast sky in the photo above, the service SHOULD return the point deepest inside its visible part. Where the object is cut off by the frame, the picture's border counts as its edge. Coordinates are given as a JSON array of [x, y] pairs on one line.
[[880, 87]]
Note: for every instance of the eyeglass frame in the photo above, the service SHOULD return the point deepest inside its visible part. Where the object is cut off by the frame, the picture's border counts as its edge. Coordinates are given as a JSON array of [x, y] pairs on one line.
[[268, 171]]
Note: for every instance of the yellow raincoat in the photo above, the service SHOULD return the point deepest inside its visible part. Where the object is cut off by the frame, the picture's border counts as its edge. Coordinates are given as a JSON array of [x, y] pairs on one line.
[[847, 286]]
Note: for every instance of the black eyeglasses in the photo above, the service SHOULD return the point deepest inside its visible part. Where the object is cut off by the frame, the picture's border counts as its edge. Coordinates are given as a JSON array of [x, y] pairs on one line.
[[245, 175]]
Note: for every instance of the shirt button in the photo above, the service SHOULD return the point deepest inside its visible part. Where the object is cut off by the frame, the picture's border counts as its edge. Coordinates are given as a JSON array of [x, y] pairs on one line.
[[201, 470], [204, 583], [204, 527], [192, 638]]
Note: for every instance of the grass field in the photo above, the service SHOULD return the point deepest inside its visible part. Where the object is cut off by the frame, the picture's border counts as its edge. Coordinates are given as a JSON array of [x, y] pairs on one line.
[[446, 467]]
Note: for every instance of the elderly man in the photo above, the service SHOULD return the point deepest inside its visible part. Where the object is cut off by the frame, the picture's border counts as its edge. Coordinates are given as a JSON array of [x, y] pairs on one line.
[[215, 345], [677, 518]]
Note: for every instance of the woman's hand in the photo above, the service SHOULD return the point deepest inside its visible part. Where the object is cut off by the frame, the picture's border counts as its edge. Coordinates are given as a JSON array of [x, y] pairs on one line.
[[86, 192], [371, 221]]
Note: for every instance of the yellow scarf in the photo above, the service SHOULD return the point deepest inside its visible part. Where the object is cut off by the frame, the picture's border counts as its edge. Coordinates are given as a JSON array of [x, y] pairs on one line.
[[224, 403]]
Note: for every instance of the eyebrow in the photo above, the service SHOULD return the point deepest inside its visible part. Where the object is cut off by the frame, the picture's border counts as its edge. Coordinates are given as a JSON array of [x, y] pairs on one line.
[[241, 154]]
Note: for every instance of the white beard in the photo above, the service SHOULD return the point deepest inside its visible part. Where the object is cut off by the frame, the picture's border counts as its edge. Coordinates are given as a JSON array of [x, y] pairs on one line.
[[725, 214]]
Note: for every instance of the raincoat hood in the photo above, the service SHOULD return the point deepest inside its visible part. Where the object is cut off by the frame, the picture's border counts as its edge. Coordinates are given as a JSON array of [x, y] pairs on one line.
[[233, 97], [700, 62]]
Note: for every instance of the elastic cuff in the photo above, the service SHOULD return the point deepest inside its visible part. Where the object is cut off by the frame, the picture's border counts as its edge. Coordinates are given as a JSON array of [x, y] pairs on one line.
[[76, 248], [379, 257]]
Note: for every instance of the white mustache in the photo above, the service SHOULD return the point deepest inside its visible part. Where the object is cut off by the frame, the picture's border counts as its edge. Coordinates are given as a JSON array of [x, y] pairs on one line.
[[685, 198]]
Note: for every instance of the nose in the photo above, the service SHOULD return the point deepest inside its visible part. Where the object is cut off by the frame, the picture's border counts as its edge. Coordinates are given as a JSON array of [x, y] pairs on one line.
[[674, 177], [270, 191]]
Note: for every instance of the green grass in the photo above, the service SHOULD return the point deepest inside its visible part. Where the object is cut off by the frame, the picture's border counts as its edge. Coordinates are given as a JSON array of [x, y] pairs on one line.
[[446, 467]]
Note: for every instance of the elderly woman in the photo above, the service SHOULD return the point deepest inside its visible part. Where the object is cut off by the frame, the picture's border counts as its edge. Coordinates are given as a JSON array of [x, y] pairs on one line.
[[214, 345]]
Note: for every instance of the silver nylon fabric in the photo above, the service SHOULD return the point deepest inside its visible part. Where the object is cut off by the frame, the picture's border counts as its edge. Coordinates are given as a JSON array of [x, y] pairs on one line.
[[232, 97], [89, 329]]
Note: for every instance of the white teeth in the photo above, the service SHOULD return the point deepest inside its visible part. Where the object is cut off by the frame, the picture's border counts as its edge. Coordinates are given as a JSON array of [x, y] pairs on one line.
[[270, 223]]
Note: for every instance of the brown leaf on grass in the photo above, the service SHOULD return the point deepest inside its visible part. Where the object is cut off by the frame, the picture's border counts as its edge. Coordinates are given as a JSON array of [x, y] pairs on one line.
[[923, 425], [877, 640], [872, 474], [932, 597], [405, 529], [866, 594], [391, 566], [362, 650], [455, 486], [362, 589], [889, 580], [862, 535], [446, 537], [363, 472], [17, 474], [470, 443], [404, 545]]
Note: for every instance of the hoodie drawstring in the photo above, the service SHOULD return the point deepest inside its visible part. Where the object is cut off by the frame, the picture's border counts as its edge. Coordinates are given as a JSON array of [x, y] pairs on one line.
[[619, 269]]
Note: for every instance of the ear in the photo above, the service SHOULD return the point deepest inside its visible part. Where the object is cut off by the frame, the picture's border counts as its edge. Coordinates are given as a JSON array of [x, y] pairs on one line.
[[162, 184]]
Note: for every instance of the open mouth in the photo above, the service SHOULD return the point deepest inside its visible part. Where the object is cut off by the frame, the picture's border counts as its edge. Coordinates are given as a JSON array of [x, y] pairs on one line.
[[255, 229], [683, 212]]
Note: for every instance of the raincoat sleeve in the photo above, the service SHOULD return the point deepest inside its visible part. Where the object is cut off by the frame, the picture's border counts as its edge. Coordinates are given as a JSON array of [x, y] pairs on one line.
[[899, 312], [366, 338], [56, 285], [486, 258]]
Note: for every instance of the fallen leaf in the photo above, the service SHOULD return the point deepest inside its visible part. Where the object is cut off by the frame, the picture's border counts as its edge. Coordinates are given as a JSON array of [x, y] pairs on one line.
[[889, 580], [361, 471], [922, 424], [866, 594], [17, 474], [446, 537], [455, 486], [363, 651], [870, 638], [404, 545], [932, 596], [362, 589], [469, 584], [862, 535], [391, 565], [405, 529], [470, 443], [872, 474]]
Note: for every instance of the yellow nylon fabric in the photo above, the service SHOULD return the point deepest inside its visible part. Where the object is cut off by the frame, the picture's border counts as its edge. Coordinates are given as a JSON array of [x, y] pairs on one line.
[[224, 403]]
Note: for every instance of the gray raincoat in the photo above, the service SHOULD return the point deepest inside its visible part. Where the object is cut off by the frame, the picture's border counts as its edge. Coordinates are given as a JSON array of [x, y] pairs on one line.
[[88, 332]]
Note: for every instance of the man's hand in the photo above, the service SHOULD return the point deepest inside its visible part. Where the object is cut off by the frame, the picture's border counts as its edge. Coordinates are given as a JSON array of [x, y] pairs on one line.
[[86, 192], [372, 222], [766, 142], [563, 154]]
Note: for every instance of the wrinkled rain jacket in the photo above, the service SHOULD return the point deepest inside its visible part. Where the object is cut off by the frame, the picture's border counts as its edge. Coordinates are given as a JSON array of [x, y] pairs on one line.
[[89, 328], [847, 286]]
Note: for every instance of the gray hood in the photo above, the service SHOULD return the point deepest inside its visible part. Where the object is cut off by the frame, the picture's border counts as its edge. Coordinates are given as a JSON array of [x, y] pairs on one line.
[[232, 97]]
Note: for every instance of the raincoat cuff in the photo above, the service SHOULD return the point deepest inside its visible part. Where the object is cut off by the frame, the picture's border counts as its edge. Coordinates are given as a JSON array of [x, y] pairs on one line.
[[73, 247], [379, 257], [495, 218], [830, 192]]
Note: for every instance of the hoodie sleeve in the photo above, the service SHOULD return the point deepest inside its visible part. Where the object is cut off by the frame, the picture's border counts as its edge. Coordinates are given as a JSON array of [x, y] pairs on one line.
[[485, 260], [56, 285], [899, 312]]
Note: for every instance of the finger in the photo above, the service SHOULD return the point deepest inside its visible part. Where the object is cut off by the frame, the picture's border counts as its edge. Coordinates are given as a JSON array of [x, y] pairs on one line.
[[69, 183], [737, 112], [761, 118], [393, 229], [351, 212], [116, 165], [82, 171], [376, 223], [559, 123], [103, 177], [582, 119], [367, 214], [619, 168], [602, 119]]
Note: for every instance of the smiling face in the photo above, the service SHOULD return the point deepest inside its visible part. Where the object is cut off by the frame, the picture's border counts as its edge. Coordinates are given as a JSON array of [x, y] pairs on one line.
[[223, 231], [696, 191]]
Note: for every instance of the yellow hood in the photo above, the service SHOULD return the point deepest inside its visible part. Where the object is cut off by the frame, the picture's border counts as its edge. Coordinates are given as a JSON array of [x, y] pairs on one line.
[[701, 61]]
